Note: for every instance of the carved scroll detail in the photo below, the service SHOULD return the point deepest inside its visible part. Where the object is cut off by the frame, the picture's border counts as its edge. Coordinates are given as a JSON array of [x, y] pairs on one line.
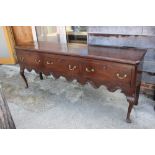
[[95, 83], [111, 86]]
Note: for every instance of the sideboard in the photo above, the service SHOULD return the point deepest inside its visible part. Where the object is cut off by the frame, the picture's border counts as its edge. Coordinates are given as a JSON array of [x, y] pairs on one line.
[[113, 67]]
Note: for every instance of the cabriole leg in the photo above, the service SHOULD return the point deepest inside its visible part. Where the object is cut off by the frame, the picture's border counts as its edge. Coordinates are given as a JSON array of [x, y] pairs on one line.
[[154, 99], [41, 76], [23, 76], [131, 104]]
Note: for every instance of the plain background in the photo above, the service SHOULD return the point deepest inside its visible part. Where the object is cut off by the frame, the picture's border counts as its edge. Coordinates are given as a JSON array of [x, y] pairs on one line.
[[83, 13]]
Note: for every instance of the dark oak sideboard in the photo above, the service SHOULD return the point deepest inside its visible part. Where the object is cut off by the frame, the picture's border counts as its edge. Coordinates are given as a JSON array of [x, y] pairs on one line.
[[113, 67]]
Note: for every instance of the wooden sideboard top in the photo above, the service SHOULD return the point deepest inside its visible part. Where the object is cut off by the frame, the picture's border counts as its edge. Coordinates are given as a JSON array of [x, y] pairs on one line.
[[117, 54]]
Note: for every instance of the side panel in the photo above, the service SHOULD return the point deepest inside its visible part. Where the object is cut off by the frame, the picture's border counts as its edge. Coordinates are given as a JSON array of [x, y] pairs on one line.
[[7, 52], [22, 34]]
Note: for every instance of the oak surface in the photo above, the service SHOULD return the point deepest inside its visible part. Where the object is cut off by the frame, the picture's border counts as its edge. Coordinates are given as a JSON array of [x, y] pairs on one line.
[[113, 67], [6, 121], [22, 34]]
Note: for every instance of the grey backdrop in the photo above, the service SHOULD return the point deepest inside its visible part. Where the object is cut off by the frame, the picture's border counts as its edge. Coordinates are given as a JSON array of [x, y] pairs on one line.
[[3, 46], [130, 36]]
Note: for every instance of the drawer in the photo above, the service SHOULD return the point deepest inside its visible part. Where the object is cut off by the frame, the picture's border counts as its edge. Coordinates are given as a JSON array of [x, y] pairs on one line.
[[78, 67], [63, 64], [50, 61], [107, 71], [29, 59]]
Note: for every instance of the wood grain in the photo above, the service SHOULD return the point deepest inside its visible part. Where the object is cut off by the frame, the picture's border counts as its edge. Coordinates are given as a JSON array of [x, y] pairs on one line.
[[6, 121], [115, 68], [22, 34]]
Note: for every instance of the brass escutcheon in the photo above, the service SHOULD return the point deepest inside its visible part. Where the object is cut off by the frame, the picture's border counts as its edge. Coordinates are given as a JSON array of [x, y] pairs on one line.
[[37, 61], [71, 68], [121, 77], [90, 70], [49, 63], [21, 59]]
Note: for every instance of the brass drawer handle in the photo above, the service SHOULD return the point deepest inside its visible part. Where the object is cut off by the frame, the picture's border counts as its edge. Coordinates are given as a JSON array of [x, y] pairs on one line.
[[49, 63], [71, 68], [37, 61], [21, 59], [90, 70], [121, 77]]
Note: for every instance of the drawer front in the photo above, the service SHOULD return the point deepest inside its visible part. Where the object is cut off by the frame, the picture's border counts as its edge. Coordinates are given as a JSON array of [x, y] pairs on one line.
[[63, 64], [29, 59], [98, 70], [49, 62], [107, 71]]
